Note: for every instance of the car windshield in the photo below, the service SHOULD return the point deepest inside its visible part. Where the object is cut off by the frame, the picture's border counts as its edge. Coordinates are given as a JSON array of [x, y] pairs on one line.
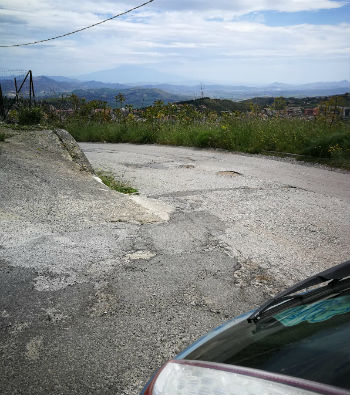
[[311, 341]]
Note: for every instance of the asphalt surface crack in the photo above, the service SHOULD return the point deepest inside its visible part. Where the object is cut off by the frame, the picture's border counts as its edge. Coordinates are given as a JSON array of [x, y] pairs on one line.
[[90, 306]]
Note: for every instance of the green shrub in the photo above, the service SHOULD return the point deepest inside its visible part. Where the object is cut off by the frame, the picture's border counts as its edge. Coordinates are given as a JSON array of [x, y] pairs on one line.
[[328, 145], [2, 136], [314, 139], [30, 116], [204, 139], [12, 116]]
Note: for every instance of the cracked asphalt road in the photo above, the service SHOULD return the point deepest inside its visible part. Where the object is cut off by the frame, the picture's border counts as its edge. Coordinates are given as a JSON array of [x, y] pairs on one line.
[[281, 218], [96, 292]]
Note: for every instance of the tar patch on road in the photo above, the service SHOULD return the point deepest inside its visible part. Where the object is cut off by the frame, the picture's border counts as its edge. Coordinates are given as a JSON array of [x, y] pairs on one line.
[[230, 173]]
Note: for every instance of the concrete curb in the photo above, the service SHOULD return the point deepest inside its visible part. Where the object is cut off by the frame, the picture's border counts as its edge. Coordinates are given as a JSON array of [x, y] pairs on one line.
[[73, 149]]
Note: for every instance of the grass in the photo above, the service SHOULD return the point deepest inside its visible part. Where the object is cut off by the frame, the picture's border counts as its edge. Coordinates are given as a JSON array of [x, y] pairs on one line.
[[18, 127], [315, 140], [117, 185], [2, 136], [30, 116]]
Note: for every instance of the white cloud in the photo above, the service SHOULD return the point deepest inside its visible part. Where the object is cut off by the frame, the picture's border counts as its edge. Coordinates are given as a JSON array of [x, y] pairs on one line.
[[175, 34], [67, 14], [243, 7]]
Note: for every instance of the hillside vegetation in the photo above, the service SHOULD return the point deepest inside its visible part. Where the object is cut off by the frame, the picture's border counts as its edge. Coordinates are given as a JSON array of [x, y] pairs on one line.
[[56, 86], [242, 127], [219, 105], [137, 97], [323, 139]]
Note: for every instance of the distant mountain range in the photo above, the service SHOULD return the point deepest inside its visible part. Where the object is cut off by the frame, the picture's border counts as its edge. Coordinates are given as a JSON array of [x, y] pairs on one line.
[[240, 92], [55, 86], [137, 74], [147, 93], [146, 77], [92, 90]]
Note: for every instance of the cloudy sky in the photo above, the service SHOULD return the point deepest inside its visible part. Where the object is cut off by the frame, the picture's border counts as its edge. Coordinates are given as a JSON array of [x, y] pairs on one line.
[[232, 41]]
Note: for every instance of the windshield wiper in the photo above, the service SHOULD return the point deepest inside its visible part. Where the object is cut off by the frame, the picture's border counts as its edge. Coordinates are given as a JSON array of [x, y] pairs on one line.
[[334, 275]]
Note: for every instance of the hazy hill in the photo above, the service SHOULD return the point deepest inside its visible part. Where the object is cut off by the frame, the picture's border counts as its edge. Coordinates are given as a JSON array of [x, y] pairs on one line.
[[50, 87], [145, 76], [241, 92], [219, 105], [92, 90], [138, 97], [134, 73]]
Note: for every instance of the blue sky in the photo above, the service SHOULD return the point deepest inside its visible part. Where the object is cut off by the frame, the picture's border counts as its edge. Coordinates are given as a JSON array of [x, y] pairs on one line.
[[225, 41], [318, 17]]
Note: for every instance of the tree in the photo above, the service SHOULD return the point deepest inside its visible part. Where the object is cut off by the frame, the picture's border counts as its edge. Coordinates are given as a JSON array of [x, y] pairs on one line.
[[75, 101], [331, 109], [120, 98], [279, 103]]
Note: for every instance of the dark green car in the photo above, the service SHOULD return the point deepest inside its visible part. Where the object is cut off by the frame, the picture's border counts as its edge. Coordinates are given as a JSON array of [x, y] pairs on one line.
[[295, 343]]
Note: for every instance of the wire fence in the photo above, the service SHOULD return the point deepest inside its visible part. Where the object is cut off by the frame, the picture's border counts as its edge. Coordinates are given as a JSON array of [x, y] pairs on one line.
[[16, 87], [7, 81], [10, 74]]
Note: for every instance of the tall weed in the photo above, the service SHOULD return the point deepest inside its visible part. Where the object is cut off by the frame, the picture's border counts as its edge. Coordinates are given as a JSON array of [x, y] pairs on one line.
[[246, 134]]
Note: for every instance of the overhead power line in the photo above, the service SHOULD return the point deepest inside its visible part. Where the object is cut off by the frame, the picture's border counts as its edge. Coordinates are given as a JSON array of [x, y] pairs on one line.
[[78, 30]]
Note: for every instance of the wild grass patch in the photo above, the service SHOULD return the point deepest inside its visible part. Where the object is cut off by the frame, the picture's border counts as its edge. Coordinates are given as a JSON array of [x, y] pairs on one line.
[[122, 186], [313, 139], [30, 115], [322, 137]]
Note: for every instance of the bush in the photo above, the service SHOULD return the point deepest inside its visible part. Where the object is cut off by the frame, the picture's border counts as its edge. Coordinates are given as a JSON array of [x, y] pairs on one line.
[[316, 140], [328, 145], [12, 116], [30, 116]]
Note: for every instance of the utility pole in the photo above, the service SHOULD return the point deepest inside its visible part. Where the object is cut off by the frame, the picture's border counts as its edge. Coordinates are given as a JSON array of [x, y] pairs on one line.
[[2, 105], [16, 90], [202, 91]]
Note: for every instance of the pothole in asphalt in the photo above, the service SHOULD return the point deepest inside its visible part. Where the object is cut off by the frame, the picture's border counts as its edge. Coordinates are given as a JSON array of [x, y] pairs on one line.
[[133, 165], [152, 165], [230, 173], [186, 167], [156, 166]]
